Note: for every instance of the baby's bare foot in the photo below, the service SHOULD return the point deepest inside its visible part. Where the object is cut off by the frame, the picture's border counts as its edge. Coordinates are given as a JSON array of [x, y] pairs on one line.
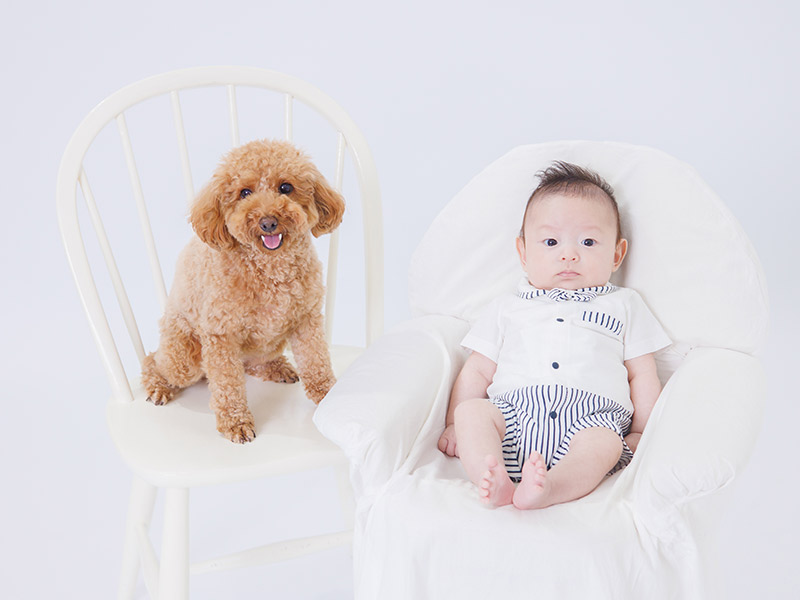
[[495, 487], [534, 489]]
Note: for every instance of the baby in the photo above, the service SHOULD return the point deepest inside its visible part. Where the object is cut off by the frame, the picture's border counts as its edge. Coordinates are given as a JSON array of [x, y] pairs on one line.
[[566, 364]]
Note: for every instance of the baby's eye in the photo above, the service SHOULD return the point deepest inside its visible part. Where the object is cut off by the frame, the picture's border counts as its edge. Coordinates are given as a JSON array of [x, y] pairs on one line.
[[588, 242], [245, 193], [550, 242], [286, 188]]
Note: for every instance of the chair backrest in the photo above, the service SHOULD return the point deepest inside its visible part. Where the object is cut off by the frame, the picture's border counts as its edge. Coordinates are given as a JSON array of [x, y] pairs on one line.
[[688, 257], [163, 122]]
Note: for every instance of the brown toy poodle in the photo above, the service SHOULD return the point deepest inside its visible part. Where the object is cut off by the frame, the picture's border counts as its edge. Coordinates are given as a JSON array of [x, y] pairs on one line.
[[248, 284]]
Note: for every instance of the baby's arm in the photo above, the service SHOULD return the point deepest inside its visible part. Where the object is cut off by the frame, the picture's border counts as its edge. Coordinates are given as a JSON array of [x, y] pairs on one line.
[[645, 389], [472, 382]]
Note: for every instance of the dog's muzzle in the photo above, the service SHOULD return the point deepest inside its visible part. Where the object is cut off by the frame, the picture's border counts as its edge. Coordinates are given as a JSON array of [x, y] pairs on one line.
[[270, 239]]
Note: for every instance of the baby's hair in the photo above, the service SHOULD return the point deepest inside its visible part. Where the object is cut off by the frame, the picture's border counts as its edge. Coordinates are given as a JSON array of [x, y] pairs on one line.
[[566, 178]]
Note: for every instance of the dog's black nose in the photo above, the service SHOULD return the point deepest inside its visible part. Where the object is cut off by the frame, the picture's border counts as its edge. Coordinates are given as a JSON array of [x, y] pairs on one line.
[[268, 224]]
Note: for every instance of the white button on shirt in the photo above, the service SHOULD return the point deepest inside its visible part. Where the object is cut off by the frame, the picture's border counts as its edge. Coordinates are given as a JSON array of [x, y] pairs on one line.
[[581, 344]]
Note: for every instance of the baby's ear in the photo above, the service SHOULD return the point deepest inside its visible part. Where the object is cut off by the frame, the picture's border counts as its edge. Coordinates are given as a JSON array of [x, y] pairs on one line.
[[520, 243], [619, 253], [207, 217], [330, 206]]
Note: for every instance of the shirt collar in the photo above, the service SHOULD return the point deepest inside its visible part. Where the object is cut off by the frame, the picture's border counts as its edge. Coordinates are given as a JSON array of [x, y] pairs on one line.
[[526, 291]]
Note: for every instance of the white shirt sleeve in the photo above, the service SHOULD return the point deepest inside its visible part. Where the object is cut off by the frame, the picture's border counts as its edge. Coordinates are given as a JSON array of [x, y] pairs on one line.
[[486, 335], [643, 333]]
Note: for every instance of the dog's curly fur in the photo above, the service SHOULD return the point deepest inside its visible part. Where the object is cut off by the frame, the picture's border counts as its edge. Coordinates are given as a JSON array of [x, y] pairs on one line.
[[248, 284]]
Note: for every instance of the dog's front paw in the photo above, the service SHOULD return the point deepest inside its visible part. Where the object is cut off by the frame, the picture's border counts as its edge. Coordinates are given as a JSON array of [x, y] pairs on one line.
[[319, 389], [237, 427], [241, 433]]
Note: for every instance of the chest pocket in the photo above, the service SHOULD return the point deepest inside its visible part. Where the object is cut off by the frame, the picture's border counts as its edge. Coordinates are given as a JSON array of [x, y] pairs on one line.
[[603, 322]]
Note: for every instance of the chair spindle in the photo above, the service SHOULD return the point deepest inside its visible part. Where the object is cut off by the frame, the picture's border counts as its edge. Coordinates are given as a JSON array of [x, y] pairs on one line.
[[144, 218], [233, 113], [182, 146], [111, 265], [288, 117], [333, 244]]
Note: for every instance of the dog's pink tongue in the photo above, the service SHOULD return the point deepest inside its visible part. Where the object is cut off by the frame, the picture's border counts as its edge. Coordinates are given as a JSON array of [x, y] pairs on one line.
[[271, 241]]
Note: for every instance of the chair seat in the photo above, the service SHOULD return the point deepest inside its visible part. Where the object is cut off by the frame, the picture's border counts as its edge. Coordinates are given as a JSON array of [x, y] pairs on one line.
[[177, 445]]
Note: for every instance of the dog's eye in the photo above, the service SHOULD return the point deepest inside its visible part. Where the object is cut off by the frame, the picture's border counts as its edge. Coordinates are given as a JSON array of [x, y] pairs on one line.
[[286, 188], [245, 193]]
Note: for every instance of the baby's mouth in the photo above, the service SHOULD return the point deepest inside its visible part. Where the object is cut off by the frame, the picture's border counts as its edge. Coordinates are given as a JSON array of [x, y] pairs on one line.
[[272, 242]]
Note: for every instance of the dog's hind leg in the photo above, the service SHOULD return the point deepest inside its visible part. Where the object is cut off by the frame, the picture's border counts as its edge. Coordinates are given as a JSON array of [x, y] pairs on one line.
[[158, 389], [278, 370], [174, 366]]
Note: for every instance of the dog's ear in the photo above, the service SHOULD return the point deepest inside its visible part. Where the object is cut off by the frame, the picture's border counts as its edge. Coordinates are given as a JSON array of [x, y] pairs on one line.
[[207, 218], [330, 206]]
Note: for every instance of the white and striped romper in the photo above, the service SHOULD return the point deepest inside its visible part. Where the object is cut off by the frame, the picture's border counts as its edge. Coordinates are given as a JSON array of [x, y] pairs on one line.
[[560, 365], [545, 417]]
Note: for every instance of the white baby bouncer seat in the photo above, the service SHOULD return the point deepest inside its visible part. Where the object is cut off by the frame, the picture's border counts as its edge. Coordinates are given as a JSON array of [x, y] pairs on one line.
[[646, 532]]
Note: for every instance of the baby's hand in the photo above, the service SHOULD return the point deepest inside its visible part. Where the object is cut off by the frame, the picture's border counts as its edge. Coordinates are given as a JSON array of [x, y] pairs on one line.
[[447, 443]]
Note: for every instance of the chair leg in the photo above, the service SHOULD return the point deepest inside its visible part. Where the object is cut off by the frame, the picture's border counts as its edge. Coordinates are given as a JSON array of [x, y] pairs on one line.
[[140, 512], [173, 581]]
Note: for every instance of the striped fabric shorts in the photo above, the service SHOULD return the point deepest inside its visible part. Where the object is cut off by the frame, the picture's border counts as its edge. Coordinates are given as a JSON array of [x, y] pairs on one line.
[[546, 417]]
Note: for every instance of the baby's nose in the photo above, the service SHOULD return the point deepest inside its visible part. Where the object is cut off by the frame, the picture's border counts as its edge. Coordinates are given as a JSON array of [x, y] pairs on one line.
[[569, 255]]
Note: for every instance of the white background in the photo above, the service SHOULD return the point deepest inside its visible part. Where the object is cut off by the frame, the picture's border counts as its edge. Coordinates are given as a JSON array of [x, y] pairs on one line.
[[440, 89]]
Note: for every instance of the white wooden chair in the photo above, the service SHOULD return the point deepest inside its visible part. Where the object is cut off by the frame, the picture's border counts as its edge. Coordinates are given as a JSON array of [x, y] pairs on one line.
[[647, 531], [176, 447]]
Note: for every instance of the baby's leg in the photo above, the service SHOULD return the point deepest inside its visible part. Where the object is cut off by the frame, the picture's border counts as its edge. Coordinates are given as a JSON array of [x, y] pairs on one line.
[[593, 452], [480, 429]]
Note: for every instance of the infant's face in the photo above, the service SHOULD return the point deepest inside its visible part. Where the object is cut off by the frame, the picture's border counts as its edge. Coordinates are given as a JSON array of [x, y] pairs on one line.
[[570, 242]]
